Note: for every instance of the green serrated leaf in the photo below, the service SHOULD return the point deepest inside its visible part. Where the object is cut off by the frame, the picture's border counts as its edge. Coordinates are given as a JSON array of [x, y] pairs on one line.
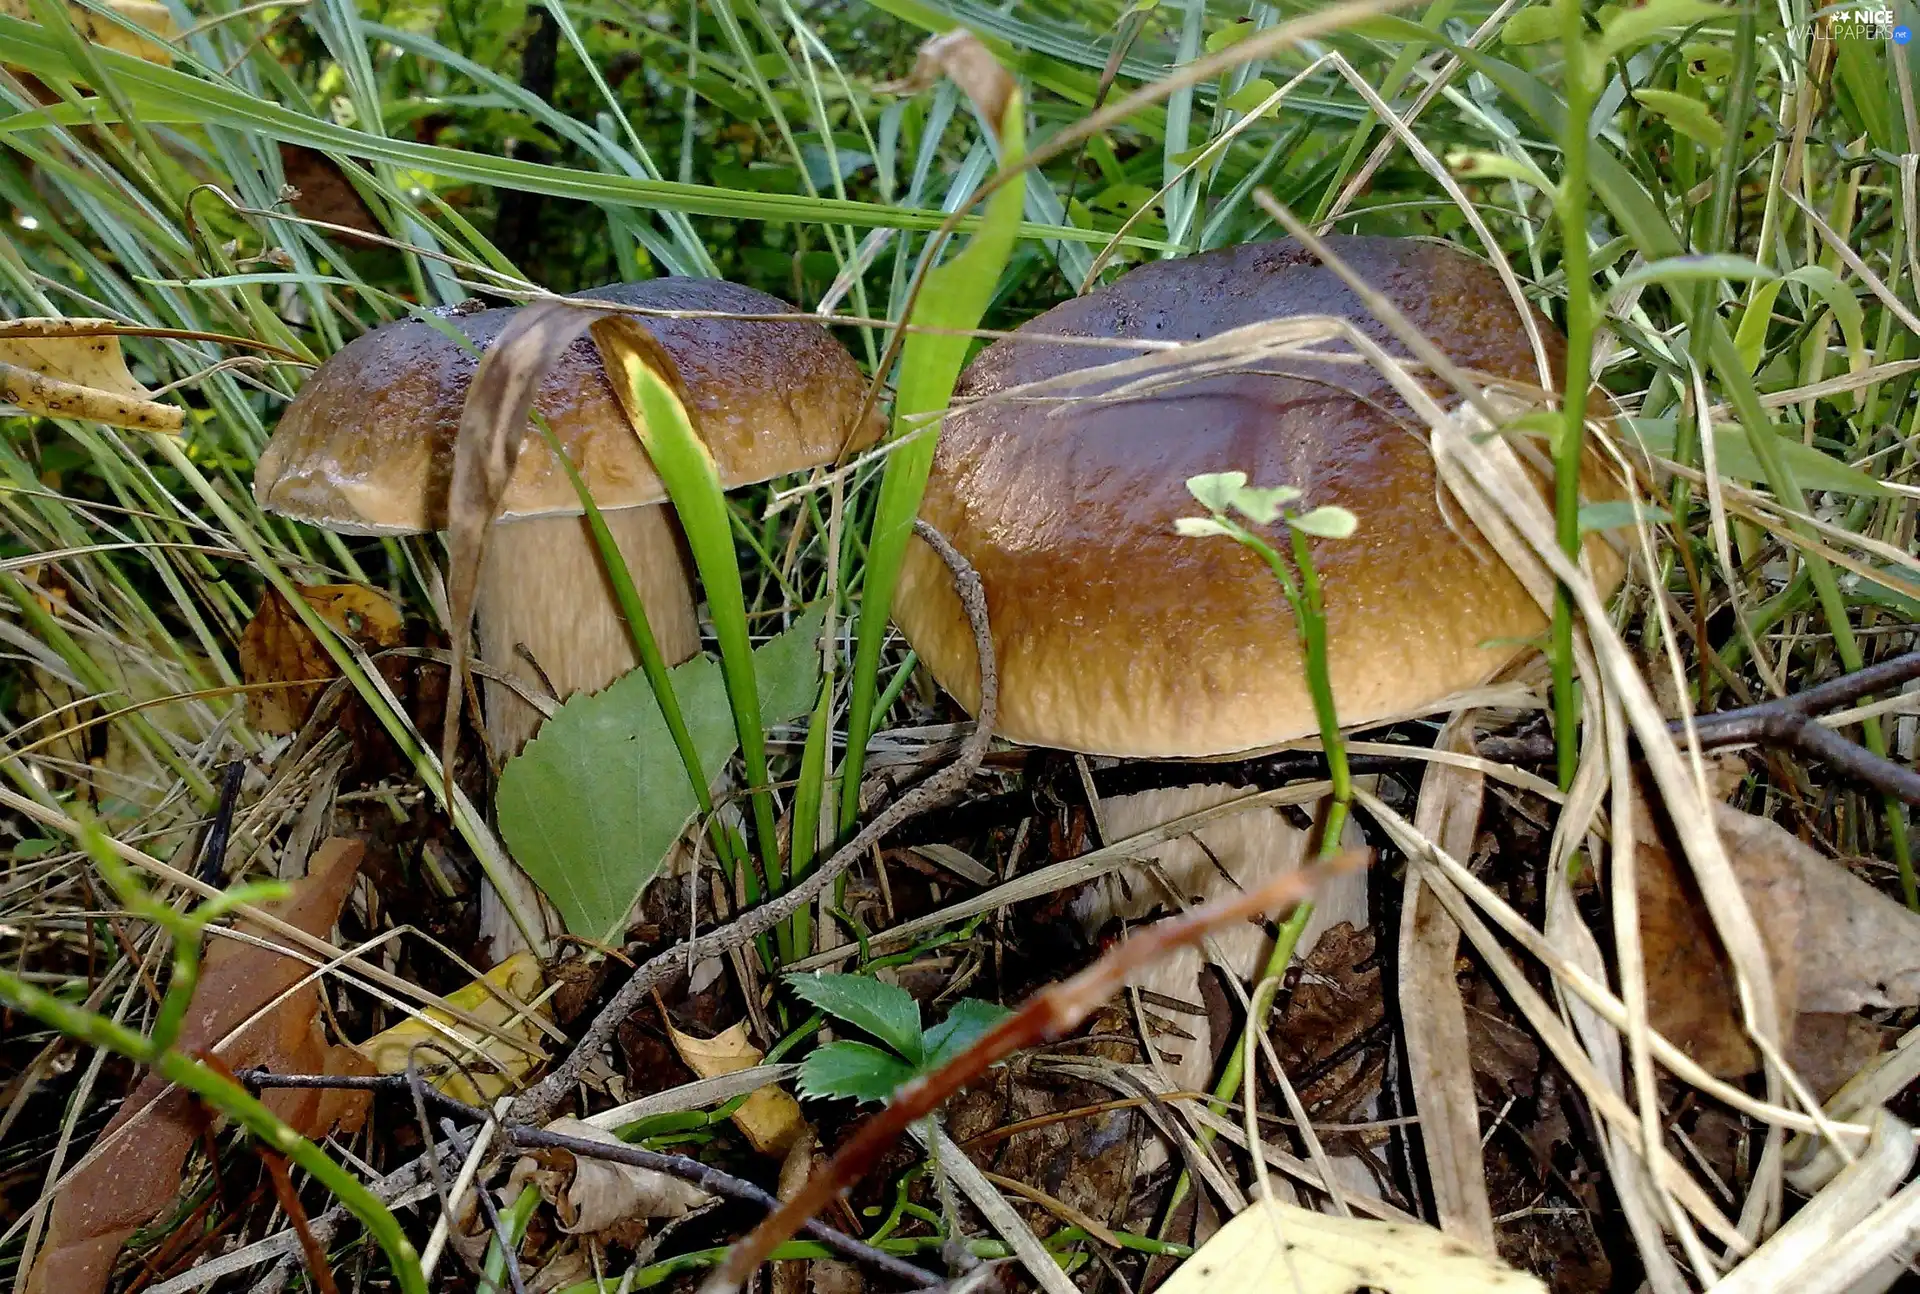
[[1327, 522], [1618, 514], [969, 1019], [1534, 25], [1811, 468], [886, 1011], [1200, 527], [1625, 28], [592, 805], [852, 1071], [1685, 114]]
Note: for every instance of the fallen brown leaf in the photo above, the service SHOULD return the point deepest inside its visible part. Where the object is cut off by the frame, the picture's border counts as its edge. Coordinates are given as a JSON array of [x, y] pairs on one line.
[[277, 647], [323, 191], [1835, 945], [139, 1173], [598, 1198]]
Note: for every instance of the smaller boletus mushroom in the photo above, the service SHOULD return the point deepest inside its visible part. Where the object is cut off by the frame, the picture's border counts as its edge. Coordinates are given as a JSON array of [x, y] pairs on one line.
[[367, 448], [1114, 635]]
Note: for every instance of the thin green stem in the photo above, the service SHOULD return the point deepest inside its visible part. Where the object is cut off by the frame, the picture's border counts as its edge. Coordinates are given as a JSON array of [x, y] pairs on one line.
[[225, 1096], [1569, 447]]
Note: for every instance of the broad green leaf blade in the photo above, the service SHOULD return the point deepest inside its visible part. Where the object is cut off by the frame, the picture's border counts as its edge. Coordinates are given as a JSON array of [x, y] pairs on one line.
[[852, 1070], [1216, 489], [1685, 114], [886, 1011], [590, 808], [1693, 269], [964, 1025], [1811, 468], [686, 467], [1534, 25], [1327, 522]]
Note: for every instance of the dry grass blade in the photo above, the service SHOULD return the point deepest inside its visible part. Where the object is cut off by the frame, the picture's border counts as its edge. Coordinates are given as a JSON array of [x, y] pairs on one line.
[[1434, 1014]]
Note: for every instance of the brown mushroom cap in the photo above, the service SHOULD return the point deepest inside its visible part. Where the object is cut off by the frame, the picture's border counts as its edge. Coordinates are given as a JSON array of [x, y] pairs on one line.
[[1113, 634], [367, 446]]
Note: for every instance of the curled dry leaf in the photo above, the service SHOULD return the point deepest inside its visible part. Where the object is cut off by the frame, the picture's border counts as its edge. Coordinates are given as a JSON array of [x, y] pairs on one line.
[[593, 1196], [277, 647], [138, 1173], [960, 56], [1834, 942], [493, 423], [73, 368], [770, 1118], [1275, 1246], [494, 1065]]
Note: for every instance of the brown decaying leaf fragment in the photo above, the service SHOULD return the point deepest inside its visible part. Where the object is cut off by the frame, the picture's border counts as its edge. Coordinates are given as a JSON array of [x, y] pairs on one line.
[[139, 1174], [323, 191], [960, 56], [1051, 1013], [277, 647], [1834, 942]]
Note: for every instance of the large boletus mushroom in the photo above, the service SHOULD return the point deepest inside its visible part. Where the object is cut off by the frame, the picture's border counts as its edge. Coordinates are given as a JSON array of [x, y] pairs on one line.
[[367, 448], [1114, 635]]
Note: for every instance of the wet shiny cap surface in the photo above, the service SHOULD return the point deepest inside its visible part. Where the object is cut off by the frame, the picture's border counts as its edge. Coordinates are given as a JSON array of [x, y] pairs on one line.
[[1115, 635], [367, 446]]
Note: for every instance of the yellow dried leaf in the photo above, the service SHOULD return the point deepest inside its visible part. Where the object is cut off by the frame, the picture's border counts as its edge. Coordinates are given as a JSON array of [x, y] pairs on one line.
[[519, 978], [770, 1118], [96, 30], [73, 368], [1275, 1246]]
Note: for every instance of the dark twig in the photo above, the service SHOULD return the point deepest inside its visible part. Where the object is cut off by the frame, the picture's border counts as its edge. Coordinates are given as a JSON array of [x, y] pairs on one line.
[[537, 1105], [255, 1080], [719, 1183], [532, 1138], [498, 1226], [1790, 721], [213, 850]]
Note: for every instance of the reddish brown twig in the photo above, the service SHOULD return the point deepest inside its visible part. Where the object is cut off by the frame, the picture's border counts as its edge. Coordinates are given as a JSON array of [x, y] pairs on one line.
[[297, 1217], [1051, 1013]]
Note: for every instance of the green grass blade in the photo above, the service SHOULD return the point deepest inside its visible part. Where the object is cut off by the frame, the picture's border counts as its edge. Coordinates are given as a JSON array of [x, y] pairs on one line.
[[956, 295]]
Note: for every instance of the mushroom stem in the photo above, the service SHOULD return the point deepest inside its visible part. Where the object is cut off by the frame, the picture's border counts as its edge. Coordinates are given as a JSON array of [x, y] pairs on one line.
[[542, 587]]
